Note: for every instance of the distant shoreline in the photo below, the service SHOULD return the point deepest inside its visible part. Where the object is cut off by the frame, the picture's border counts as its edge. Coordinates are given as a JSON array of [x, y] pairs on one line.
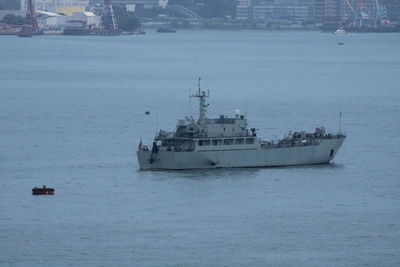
[[268, 26]]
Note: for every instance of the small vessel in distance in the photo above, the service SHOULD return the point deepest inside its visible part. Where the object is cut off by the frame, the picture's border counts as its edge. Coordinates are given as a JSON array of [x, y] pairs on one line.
[[165, 30], [42, 191], [340, 31], [225, 142], [24, 34], [29, 31]]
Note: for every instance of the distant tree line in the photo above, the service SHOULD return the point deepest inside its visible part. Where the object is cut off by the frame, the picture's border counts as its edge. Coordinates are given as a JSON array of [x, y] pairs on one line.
[[10, 5], [13, 19], [127, 21], [209, 8]]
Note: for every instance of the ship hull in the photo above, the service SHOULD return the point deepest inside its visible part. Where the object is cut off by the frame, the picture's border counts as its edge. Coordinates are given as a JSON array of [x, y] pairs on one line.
[[252, 156], [76, 31]]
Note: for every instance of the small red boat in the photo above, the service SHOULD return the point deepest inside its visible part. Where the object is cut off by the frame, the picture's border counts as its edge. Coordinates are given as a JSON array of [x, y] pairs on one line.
[[42, 191]]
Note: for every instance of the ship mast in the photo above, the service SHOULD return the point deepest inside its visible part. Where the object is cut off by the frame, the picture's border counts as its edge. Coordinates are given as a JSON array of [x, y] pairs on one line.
[[202, 102]]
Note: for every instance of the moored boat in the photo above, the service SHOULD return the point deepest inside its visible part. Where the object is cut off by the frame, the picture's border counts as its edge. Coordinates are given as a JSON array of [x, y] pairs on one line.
[[26, 31], [165, 30], [42, 191], [340, 31]]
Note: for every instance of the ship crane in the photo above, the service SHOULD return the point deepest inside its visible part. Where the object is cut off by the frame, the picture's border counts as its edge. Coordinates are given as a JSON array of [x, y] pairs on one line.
[[31, 26], [380, 12], [108, 20], [357, 16]]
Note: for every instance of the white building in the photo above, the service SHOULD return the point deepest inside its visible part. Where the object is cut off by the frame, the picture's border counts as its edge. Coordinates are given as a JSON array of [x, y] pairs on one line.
[[60, 21], [290, 10], [290, 13], [243, 9], [53, 5], [259, 12]]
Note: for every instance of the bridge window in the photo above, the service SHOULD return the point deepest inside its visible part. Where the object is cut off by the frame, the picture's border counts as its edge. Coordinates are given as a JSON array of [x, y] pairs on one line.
[[216, 142], [204, 142], [239, 141], [249, 141], [228, 142]]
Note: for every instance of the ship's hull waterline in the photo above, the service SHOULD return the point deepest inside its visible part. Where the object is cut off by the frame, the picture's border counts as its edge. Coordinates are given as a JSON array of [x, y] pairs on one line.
[[251, 156]]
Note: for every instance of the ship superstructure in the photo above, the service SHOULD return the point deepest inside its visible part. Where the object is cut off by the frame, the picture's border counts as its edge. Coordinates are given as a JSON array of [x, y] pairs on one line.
[[227, 142]]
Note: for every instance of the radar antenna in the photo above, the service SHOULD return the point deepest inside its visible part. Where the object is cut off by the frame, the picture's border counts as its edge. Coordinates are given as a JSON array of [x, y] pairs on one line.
[[202, 102], [198, 84]]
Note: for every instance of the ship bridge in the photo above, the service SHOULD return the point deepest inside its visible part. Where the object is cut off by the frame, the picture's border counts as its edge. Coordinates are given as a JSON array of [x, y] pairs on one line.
[[209, 128]]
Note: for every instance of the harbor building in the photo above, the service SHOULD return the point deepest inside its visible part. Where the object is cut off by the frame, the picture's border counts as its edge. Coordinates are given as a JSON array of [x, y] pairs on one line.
[[290, 10], [88, 18], [243, 9], [58, 6], [146, 4], [392, 10], [260, 12], [327, 10], [285, 12], [67, 7]]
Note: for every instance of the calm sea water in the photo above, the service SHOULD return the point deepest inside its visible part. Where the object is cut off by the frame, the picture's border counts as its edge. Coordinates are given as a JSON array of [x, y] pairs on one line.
[[72, 114]]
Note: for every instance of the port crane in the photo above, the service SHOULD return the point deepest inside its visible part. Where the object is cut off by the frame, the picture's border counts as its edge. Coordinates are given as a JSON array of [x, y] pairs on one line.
[[109, 21], [359, 16], [31, 26], [380, 12]]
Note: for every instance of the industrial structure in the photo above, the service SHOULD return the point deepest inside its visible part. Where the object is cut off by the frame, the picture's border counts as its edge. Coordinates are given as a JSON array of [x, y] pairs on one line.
[[98, 15], [357, 15], [108, 21], [31, 26]]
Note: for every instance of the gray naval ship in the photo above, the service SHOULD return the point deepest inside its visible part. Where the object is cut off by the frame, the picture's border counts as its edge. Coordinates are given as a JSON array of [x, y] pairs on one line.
[[227, 143]]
